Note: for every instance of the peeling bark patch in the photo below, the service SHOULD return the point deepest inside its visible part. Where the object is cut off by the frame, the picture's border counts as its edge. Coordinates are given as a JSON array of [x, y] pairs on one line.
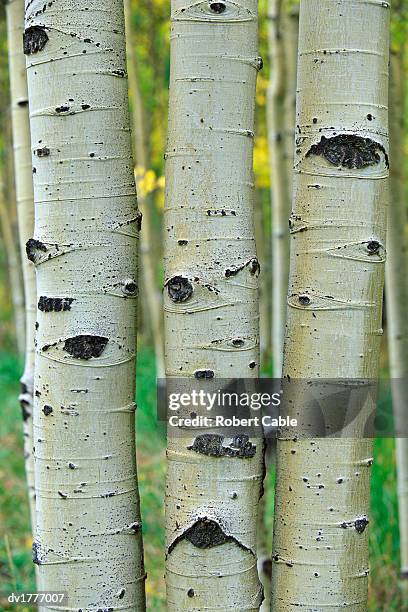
[[36, 550], [179, 288], [34, 39], [47, 304], [212, 446], [85, 347], [43, 152], [47, 410], [349, 151], [203, 374], [32, 249]]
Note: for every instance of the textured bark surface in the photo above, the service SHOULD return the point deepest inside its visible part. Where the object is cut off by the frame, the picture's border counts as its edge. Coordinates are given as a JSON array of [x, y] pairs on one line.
[[397, 290], [210, 300], [88, 540], [25, 213], [320, 548]]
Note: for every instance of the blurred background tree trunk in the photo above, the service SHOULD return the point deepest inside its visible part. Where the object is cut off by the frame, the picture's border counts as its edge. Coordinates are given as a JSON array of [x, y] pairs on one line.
[[25, 213], [397, 289], [151, 295]]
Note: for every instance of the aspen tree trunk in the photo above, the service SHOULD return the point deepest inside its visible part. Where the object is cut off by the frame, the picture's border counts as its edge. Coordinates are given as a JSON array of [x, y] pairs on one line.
[[320, 546], [279, 185], [397, 290], [210, 300], [25, 215], [88, 540], [13, 269], [151, 295]]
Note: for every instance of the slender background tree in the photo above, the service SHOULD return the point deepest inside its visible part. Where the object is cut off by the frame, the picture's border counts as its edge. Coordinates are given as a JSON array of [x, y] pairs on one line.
[[396, 278], [25, 212]]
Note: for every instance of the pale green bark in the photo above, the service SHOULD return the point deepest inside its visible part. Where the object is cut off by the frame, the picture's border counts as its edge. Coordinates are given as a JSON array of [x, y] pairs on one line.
[[320, 547], [279, 183], [88, 538], [25, 214], [152, 298], [211, 297], [397, 290]]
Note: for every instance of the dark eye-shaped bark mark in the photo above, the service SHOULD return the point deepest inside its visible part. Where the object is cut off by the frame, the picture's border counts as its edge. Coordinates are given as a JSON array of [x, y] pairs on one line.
[[371, 251], [349, 151], [25, 409], [179, 289], [214, 12], [47, 304], [34, 249], [130, 287], [359, 524], [313, 302], [43, 152], [205, 533], [212, 446], [85, 347], [47, 410], [36, 550], [204, 374], [34, 39], [64, 108], [217, 7]]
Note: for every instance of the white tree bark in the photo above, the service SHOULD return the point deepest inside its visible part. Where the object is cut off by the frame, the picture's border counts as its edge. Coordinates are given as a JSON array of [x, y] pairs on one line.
[[88, 540], [320, 547], [397, 291], [211, 298], [25, 214]]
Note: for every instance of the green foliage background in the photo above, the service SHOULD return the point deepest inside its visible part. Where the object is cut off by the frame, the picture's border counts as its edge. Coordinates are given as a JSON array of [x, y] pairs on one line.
[[152, 32]]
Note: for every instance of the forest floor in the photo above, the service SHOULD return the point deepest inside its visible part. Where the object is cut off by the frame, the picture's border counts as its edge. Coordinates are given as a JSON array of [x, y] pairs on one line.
[[16, 567]]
